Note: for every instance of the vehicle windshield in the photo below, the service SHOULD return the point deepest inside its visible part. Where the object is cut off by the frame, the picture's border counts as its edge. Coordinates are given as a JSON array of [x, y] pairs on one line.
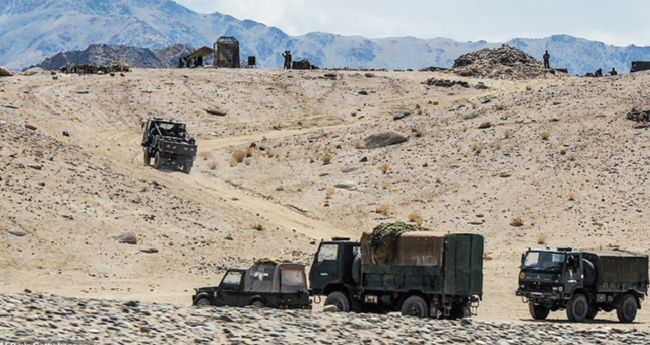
[[543, 262]]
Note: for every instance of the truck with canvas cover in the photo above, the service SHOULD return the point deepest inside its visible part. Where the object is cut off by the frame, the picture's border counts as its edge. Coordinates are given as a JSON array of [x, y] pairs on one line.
[[402, 267], [583, 282], [265, 284], [169, 143]]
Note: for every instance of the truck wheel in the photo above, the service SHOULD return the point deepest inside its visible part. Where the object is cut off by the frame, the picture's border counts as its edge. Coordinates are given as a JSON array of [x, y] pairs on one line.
[[577, 308], [415, 306], [538, 312], [203, 301], [356, 269], [157, 161], [258, 304], [187, 166], [147, 159], [593, 311], [627, 310], [339, 299]]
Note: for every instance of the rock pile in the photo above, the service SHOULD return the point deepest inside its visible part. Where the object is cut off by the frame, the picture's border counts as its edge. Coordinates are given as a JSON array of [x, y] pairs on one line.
[[446, 82], [639, 115], [500, 63], [31, 317]]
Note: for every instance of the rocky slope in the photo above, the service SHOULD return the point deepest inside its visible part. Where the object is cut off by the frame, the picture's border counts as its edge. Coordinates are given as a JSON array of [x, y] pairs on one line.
[[102, 55], [30, 317], [39, 29]]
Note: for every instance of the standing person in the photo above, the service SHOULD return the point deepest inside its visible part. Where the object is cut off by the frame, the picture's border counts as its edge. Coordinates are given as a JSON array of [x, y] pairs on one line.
[[613, 71], [599, 72], [287, 59], [547, 60]]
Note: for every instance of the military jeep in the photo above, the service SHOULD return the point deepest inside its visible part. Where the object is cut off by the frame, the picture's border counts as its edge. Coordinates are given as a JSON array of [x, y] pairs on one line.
[[169, 143], [265, 284]]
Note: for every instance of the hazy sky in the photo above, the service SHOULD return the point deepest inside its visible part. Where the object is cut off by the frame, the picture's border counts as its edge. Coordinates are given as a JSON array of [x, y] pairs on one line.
[[621, 22]]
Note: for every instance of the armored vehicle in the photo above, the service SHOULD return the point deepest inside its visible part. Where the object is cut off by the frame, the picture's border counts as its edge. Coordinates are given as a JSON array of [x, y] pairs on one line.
[[169, 143], [583, 282], [265, 284], [425, 274]]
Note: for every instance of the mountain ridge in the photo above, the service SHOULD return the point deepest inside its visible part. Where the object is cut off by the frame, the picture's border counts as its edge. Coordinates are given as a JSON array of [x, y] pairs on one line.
[[40, 29]]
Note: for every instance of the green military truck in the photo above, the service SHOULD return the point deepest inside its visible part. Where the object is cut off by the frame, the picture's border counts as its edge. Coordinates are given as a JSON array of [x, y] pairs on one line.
[[583, 282], [265, 284], [426, 275], [169, 143]]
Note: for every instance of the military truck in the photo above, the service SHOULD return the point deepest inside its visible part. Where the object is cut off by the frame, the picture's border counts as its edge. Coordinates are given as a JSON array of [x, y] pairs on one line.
[[265, 284], [428, 275], [169, 143], [583, 282], [638, 66]]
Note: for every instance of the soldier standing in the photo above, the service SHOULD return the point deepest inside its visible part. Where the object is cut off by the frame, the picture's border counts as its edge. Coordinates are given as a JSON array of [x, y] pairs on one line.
[[613, 71], [287, 59], [547, 59]]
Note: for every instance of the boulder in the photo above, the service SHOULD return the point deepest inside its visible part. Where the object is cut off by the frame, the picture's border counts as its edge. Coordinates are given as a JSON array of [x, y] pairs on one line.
[[5, 72], [400, 115], [149, 250], [33, 71], [126, 237], [349, 185], [384, 139], [16, 232]]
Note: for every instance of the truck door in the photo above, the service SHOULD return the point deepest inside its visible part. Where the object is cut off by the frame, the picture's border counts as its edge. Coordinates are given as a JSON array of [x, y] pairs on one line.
[[230, 290], [325, 269], [572, 272]]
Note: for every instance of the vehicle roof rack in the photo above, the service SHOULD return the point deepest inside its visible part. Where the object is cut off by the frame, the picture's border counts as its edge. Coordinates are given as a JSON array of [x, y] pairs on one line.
[[564, 249], [340, 238]]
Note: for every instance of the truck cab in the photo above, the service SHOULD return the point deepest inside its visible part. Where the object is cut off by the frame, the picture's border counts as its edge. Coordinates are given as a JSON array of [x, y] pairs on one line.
[[332, 269]]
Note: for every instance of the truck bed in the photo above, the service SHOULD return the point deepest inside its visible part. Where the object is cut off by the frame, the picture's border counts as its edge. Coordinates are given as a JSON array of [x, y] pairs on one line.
[[619, 271]]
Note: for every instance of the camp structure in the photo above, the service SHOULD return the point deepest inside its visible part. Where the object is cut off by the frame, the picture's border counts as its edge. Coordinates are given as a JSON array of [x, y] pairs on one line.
[[227, 52]]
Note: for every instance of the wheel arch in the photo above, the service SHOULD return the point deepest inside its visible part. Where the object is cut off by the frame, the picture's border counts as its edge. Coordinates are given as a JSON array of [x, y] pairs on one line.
[[255, 298], [205, 295]]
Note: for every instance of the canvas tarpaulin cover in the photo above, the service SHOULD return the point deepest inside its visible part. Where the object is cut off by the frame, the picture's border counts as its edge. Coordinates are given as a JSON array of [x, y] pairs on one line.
[[402, 244], [266, 277]]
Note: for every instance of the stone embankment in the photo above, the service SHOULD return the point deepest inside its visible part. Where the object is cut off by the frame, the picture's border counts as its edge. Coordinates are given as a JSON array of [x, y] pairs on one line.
[[31, 317]]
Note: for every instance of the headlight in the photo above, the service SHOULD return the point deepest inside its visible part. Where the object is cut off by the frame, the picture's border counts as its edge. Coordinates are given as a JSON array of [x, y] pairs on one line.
[[169, 145], [555, 288], [560, 289], [523, 286]]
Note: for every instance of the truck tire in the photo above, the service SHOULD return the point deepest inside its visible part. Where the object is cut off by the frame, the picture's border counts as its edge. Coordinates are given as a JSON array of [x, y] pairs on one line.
[[577, 308], [415, 306], [258, 304], [339, 299], [538, 312], [147, 159], [626, 311], [203, 301], [356, 269], [187, 166], [157, 161], [593, 311]]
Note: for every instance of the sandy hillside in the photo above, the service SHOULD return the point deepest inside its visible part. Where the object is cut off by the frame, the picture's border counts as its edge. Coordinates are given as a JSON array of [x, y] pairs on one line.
[[559, 155]]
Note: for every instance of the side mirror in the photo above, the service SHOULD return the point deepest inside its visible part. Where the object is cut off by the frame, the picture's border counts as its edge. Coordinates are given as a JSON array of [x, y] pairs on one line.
[[142, 125], [523, 258]]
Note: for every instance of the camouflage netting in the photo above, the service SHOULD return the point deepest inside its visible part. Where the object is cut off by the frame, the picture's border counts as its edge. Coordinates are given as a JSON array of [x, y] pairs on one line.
[[384, 237], [270, 261], [500, 63]]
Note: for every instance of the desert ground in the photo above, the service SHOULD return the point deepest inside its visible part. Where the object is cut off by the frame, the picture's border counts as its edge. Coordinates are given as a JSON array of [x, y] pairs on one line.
[[559, 156]]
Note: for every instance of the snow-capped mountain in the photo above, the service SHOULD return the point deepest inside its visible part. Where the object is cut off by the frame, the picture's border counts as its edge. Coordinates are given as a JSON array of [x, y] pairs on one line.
[[32, 30]]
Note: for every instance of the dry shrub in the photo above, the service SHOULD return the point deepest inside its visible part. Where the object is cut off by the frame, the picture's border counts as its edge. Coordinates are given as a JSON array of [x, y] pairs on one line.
[[327, 158], [487, 256], [572, 157], [383, 209], [212, 165], [416, 218], [259, 227], [477, 148], [385, 184], [356, 144], [507, 134], [545, 135], [563, 152], [329, 193], [500, 107], [384, 168], [517, 222], [572, 197], [239, 156], [270, 153], [613, 245], [420, 132], [279, 189], [496, 145], [541, 239]]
